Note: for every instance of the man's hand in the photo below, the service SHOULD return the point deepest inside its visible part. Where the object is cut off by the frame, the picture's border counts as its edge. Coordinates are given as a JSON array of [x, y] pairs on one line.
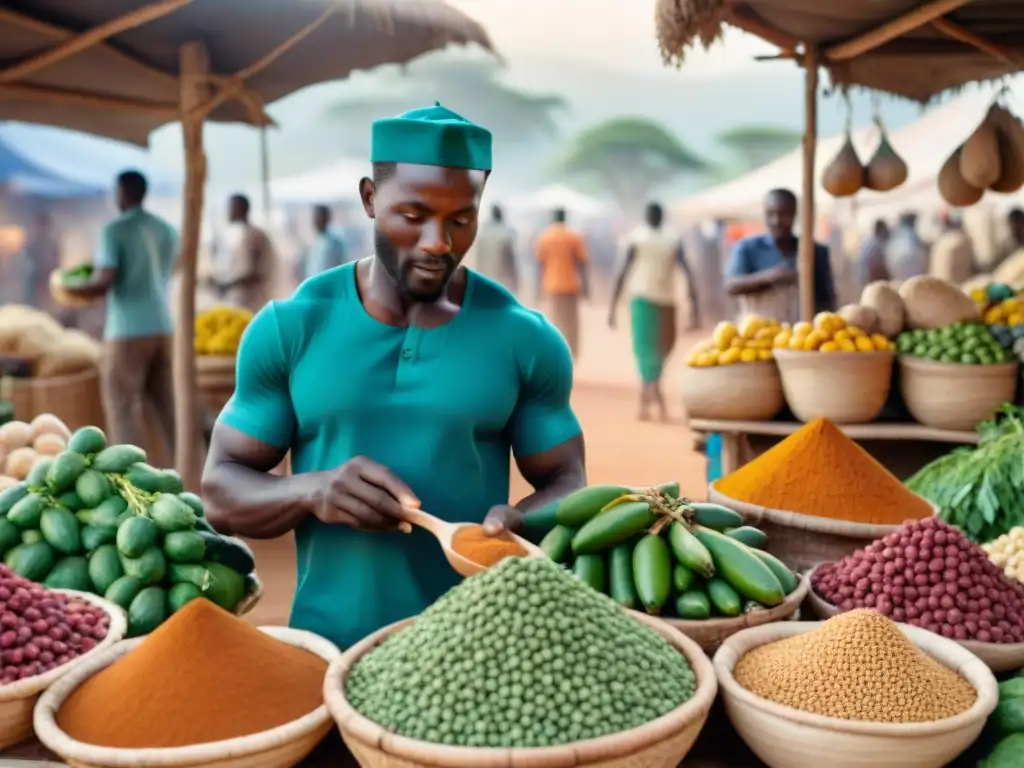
[[365, 495], [501, 519], [781, 275]]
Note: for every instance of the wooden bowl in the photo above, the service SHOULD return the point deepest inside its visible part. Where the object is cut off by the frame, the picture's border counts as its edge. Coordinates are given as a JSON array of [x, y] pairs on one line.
[[740, 392], [784, 737], [711, 633], [62, 297], [843, 387], [804, 541], [999, 657], [17, 700], [954, 395], [281, 747], [661, 743]]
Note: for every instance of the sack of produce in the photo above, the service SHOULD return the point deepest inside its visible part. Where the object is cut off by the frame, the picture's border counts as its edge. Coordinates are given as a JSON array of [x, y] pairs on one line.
[[980, 164], [98, 518], [886, 170], [844, 175], [953, 187], [886, 301], [933, 303], [1010, 134], [73, 352]]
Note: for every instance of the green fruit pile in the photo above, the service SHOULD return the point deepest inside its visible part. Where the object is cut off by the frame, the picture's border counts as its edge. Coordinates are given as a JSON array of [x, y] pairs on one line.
[[98, 518], [76, 276], [520, 655], [647, 549], [965, 343]]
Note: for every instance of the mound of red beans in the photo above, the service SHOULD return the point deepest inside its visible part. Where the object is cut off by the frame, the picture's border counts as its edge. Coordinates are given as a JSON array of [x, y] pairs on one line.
[[41, 630], [927, 573]]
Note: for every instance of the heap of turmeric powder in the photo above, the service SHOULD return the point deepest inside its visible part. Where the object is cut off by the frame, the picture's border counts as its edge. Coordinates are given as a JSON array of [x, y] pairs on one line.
[[819, 471], [472, 543], [202, 676]]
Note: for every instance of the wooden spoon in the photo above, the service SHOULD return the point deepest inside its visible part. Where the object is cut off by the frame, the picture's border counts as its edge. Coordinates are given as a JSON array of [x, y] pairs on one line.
[[444, 532]]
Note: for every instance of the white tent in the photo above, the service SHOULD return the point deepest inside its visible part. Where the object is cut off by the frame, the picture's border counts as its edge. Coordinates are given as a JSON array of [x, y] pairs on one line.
[[559, 196], [337, 182], [924, 145]]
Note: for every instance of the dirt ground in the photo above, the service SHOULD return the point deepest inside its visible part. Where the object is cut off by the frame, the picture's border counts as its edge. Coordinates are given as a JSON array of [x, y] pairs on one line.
[[619, 448]]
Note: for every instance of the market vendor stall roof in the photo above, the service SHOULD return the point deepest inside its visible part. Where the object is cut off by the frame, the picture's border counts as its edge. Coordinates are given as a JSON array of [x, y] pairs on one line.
[[901, 47], [88, 67]]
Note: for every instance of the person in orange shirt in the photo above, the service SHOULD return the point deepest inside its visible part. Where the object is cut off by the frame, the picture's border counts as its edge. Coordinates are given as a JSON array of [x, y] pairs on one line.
[[562, 260]]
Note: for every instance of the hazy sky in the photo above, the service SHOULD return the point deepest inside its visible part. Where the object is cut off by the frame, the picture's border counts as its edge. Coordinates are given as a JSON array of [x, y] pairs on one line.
[[610, 33]]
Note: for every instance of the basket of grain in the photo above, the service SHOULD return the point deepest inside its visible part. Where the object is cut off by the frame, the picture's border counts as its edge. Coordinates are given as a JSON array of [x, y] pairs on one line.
[[844, 387], [279, 747], [18, 699], [661, 743], [999, 657], [955, 396], [709, 634], [949, 692], [740, 392], [803, 541]]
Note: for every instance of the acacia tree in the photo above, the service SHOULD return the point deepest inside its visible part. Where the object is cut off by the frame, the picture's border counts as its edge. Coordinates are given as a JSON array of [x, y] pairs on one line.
[[628, 157], [469, 84], [757, 145]]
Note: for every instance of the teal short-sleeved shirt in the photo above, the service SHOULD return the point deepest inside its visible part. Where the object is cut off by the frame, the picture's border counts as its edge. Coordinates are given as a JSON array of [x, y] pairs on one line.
[[442, 408], [143, 249]]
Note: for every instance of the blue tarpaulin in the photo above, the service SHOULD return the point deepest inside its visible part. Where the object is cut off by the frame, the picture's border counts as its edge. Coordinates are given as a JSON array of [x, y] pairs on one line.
[[54, 162]]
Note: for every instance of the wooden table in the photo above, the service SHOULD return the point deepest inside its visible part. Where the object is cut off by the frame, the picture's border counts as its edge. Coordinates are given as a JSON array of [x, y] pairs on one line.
[[901, 447]]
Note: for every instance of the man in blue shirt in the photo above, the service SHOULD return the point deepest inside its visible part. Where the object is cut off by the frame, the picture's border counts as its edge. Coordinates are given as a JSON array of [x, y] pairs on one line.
[[401, 379], [136, 257], [762, 272], [328, 251]]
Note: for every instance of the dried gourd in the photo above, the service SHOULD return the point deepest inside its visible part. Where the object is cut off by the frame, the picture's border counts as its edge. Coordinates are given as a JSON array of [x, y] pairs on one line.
[[844, 175], [1011, 151], [953, 187], [979, 155], [931, 303], [886, 170], [883, 298]]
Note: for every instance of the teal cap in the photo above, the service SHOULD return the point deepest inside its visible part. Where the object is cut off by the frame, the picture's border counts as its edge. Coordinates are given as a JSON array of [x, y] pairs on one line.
[[431, 136]]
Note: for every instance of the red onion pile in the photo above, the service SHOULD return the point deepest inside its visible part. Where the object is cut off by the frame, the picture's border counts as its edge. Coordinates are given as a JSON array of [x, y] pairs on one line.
[[927, 573], [40, 629]]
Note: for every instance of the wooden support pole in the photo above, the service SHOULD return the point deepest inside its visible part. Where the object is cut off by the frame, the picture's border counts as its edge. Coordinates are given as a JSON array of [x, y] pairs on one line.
[[194, 68], [810, 142]]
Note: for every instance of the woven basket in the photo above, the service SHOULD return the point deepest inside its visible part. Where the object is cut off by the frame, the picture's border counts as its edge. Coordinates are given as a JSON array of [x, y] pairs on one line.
[[711, 633], [999, 657], [843, 387], [804, 541], [953, 395], [215, 380], [17, 700], [62, 297], [74, 399], [280, 747], [784, 737], [658, 744], [741, 392]]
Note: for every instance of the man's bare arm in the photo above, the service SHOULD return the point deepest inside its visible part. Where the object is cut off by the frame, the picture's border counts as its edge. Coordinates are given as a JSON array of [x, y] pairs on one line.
[[554, 473], [244, 498]]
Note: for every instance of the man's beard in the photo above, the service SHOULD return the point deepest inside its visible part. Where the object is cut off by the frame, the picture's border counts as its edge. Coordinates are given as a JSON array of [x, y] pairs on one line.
[[399, 271]]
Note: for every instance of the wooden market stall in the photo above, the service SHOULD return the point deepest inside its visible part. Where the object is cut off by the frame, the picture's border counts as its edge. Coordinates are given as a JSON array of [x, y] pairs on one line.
[[124, 68], [904, 48]]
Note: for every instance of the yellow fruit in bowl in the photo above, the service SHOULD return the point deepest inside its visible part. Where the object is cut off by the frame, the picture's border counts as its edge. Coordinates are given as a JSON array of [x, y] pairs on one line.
[[864, 344], [846, 344], [829, 346], [781, 340], [729, 357], [748, 356], [764, 355], [802, 329]]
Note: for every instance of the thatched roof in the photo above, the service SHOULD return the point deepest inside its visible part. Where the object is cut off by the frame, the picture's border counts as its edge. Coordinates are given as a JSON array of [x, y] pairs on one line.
[[110, 67], [903, 47]]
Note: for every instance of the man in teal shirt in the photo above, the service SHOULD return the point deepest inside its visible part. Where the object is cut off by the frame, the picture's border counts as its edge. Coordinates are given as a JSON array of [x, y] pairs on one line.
[[403, 378], [136, 257]]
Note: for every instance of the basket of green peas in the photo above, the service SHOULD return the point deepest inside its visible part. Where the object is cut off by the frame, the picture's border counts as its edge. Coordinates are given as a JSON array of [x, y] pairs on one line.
[[956, 376]]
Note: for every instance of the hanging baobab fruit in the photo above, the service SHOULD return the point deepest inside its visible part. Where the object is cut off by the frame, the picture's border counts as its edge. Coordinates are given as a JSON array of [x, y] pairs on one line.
[[954, 189], [886, 169], [979, 156], [1011, 150], [844, 175]]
